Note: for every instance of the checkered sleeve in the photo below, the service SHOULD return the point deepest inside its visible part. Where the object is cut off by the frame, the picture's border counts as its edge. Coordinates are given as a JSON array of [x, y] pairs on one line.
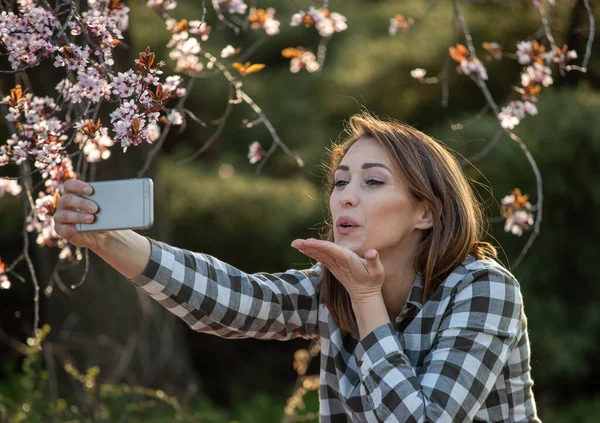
[[480, 325], [214, 297]]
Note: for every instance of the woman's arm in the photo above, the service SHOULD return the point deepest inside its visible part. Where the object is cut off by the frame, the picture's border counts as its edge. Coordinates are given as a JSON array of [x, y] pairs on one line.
[[127, 251], [209, 295], [479, 329], [214, 297]]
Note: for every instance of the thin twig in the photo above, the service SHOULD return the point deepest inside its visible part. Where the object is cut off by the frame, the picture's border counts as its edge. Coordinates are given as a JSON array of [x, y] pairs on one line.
[[253, 47], [86, 258], [322, 51], [590, 41], [222, 18], [273, 132], [217, 132], [36, 285], [484, 151]]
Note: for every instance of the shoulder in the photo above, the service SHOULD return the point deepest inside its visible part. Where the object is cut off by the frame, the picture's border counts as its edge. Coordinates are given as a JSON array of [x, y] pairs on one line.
[[484, 293], [482, 273]]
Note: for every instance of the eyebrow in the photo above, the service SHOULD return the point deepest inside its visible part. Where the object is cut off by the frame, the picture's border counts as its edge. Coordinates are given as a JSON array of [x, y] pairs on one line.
[[364, 166]]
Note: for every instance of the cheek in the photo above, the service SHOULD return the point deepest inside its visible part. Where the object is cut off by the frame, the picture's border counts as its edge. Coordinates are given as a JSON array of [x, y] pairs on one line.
[[390, 220]]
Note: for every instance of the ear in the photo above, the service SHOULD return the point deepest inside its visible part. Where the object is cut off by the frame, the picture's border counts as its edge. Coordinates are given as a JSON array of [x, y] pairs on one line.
[[425, 214]]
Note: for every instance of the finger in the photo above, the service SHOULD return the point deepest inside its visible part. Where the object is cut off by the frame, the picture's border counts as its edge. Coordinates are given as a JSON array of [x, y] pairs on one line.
[[76, 186], [321, 255], [338, 254], [70, 217], [74, 201], [65, 230]]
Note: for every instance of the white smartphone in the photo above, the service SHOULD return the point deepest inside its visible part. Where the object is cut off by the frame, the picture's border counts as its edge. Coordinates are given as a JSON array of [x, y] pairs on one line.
[[122, 204]]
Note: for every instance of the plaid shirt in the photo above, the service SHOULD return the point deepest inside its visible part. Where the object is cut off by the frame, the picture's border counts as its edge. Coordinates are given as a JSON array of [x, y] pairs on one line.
[[461, 356]]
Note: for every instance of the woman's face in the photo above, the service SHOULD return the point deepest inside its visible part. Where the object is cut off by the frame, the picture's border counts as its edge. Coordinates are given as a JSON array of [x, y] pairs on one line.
[[371, 190]]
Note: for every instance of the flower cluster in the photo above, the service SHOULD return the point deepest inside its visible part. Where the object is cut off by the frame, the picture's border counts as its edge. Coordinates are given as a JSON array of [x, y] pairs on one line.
[[28, 35], [536, 74], [4, 282], [229, 51], [10, 187], [400, 23], [40, 135], [468, 64], [515, 111], [234, 6], [93, 139], [494, 51], [103, 22], [162, 5], [324, 21], [135, 121], [185, 49], [517, 211], [264, 19], [40, 220], [301, 59]]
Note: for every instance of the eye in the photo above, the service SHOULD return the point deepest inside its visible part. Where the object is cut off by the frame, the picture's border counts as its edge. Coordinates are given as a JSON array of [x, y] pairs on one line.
[[339, 183], [374, 182]]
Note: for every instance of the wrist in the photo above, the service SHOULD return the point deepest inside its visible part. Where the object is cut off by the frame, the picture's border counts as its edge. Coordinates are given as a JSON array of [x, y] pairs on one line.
[[367, 299]]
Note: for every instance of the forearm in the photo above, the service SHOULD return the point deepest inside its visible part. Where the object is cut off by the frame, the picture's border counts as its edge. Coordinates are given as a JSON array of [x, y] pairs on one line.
[[127, 251], [370, 314]]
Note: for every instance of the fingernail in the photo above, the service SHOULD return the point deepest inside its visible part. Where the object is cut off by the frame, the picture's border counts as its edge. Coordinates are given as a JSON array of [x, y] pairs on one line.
[[88, 190], [89, 217]]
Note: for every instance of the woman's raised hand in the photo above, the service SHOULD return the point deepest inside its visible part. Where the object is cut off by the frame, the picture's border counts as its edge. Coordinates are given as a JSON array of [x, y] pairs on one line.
[[65, 216], [362, 277]]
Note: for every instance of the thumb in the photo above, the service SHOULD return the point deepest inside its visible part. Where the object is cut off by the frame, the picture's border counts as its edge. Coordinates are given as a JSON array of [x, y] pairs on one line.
[[373, 263]]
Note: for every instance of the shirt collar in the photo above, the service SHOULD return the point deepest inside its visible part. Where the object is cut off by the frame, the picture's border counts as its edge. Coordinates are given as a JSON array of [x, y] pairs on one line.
[[415, 296]]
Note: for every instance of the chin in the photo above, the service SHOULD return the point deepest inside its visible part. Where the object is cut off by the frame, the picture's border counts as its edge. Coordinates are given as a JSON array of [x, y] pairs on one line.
[[354, 246]]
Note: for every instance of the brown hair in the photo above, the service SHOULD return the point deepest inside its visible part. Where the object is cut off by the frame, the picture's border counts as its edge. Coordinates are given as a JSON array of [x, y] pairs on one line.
[[433, 175]]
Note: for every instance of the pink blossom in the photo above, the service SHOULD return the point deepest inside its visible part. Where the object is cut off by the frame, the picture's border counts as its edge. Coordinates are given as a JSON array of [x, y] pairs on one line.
[[10, 187], [4, 282], [325, 22], [418, 73], [512, 114], [200, 28], [234, 6], [228, 51], [175, 118], [472, 65], [524, 52], [74, 57], [256, 152], [519, 221], [162, 4], [398, 22], [96, 147], [537, 73], [127, 84], [173, 84]]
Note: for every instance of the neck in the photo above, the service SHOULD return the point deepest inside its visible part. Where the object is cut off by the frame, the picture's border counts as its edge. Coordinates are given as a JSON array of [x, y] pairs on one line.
[[400, 276]]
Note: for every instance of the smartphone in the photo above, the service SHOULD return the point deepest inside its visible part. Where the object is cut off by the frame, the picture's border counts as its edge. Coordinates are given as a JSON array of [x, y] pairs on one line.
[[122, 204]]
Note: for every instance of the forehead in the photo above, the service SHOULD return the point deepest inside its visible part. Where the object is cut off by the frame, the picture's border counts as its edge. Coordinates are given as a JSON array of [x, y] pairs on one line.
[[366, 150]]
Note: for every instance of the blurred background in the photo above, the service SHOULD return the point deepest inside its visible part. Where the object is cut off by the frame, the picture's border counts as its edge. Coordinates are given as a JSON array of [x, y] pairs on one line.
[[219, 205]]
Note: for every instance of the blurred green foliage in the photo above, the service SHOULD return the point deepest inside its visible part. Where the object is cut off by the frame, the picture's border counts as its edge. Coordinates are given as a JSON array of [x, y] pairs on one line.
[[248, 220]]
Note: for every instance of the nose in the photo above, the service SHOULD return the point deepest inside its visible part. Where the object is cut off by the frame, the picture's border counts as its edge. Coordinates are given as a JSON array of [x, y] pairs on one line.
[[349, 196]]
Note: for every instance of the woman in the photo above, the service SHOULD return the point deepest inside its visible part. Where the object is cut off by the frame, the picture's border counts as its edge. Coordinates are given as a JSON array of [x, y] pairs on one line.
[[417, 321]]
